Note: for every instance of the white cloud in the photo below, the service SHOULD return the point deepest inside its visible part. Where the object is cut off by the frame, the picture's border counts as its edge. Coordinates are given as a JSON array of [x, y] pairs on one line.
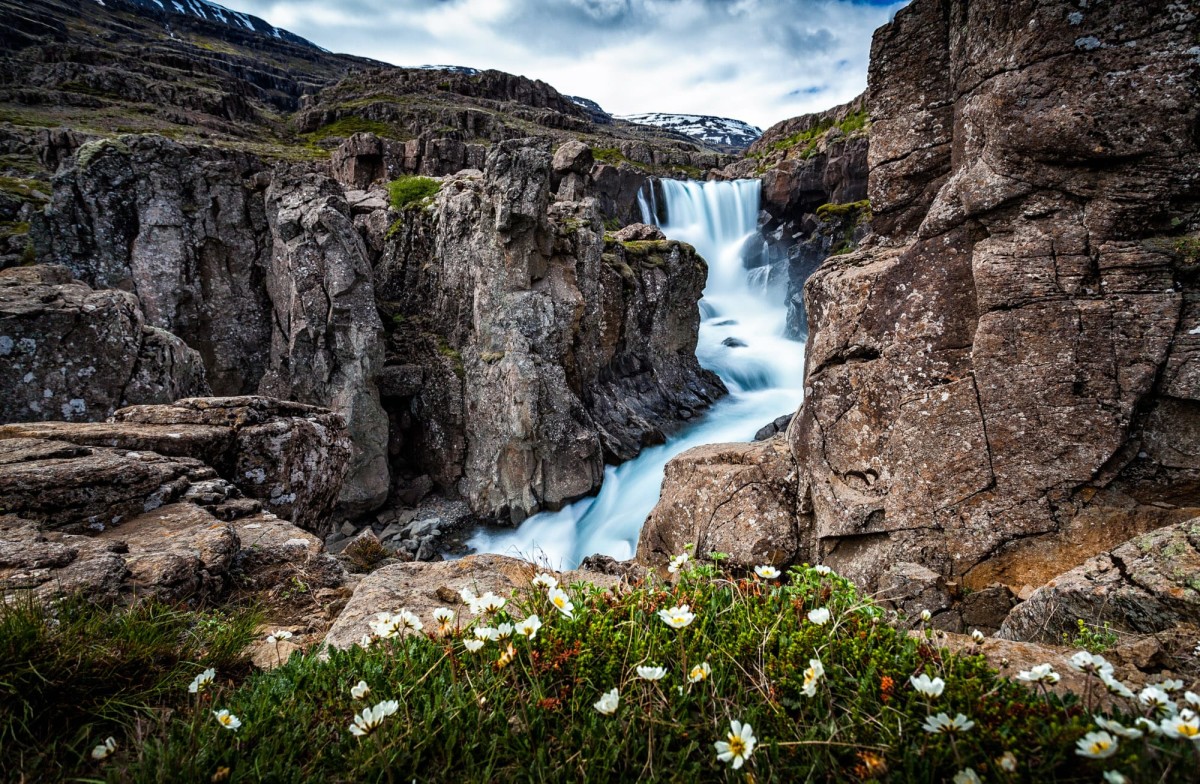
[[756, 60]]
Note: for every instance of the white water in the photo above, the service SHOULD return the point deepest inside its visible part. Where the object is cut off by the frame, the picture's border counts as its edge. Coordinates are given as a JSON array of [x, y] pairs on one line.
[[765, 379]]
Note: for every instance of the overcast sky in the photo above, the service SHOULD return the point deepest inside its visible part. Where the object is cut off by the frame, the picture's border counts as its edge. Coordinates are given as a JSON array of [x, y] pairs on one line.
[[755, 60]]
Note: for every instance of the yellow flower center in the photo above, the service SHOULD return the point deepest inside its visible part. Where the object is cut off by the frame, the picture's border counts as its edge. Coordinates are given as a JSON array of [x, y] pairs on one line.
[[1189, 730], [1100, 746], [223, 720], [737, 746], [559, 601]]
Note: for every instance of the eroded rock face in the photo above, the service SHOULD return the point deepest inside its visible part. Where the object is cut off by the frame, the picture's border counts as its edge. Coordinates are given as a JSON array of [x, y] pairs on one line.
[[524, 350], [738, 499], [1149, 584], [326, 344], [289, 456], [998, 387], [70, 353]]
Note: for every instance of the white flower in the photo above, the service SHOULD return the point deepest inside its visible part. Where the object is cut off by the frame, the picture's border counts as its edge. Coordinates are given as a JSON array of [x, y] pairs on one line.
[[651, 673], [1117, 728], [926, 615], [1095, 664], [469, 598], [370, 718], [928, 687], [444, 617], [277, 636], [503, 631], [485, 633], [472, 645], [677, 617], [1171, 686], [1041, 673], [529, 627], [1192, 698], [819, 616], [1115, 686], [202, 681], [388, 625], [488, 603], [978, 637], [227, 719], [1007, 762], [1115, 777], [1197, 649], [814, 673], [738, 745], [1156, 699], [1096, 745], [1186, 726], [558, 597], [822, 570], [546, 581], [102, 750], [360, 690], [365, 641], [1150, 726], [677, 563], [607, 704], [943, 724], [966, 776], [766, 572], [700, 672]]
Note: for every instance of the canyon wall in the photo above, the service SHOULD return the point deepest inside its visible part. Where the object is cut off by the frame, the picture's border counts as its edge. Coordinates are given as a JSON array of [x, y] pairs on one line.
[[1000, 381]]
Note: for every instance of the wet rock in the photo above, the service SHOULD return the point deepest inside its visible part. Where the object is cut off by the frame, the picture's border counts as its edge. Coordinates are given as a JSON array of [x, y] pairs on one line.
[[778, 425], [732, 342], [738, 499], [68, 352]]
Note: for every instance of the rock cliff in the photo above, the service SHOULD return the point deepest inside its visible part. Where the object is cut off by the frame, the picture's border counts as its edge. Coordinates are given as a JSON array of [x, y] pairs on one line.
[[998, 382]]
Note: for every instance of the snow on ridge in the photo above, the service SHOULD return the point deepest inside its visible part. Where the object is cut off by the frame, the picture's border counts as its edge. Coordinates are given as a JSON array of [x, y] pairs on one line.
[[706, 128]]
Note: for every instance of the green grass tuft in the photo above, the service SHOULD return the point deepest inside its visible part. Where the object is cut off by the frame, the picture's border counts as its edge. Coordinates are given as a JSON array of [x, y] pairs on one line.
[[410, 190]]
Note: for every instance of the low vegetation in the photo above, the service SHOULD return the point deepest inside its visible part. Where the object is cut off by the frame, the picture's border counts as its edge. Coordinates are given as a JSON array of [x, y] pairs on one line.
[[711, 677], [808, 139], [411, 189]]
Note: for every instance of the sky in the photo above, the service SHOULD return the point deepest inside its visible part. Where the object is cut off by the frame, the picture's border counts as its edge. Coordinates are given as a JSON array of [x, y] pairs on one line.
[[760, 61]]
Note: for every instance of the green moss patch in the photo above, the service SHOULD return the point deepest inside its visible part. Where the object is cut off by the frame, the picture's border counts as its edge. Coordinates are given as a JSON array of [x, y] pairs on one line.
[[411, 189]]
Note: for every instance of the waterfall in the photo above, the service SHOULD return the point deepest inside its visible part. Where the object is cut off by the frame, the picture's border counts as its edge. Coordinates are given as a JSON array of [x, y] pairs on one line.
[[741, 339]]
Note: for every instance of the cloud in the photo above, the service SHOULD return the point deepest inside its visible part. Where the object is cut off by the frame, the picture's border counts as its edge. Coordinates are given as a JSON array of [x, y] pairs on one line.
[[756, 60]]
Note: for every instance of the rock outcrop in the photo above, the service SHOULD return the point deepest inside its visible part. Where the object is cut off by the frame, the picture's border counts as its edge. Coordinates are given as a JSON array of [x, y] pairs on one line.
[[998, 385], [70, 353], [1147, 585], [526, 348], [422, 588], [132, 508]]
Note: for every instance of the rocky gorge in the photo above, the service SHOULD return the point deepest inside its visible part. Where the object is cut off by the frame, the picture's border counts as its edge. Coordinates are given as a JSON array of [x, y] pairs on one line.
[[296, 360]]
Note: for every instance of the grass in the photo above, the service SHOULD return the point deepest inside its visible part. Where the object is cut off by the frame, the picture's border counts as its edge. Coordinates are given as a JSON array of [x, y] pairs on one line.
[[71, 676], [411, 189], [348, 126], [809, 139], [529, 715]]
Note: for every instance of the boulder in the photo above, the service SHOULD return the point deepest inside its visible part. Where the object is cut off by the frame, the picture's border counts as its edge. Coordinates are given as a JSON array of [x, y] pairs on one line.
[[572, 157], [639, 232], [359, 161], [424, 587], [738, 499], [1149, 584], [68, 352]]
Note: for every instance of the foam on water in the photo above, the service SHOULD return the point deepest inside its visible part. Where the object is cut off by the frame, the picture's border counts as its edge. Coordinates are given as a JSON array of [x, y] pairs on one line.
[[741, 339]]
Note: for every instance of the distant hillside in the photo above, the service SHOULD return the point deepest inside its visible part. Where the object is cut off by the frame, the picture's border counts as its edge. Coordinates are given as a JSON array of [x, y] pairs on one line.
[[720, 133]]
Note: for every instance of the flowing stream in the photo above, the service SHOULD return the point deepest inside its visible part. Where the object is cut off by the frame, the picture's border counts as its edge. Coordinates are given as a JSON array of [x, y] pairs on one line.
[[741, 339]]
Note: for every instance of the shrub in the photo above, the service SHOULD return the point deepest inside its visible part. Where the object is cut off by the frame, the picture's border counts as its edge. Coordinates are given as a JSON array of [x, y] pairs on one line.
[[527, 713], [411, 189]]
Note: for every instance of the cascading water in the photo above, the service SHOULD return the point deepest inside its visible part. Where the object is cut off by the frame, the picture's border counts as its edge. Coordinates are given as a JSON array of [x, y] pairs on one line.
[[741, 339]]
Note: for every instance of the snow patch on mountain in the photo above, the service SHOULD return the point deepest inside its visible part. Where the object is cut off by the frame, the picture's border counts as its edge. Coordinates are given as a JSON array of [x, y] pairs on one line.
[[717, 131], [219, 14], [457, 69]]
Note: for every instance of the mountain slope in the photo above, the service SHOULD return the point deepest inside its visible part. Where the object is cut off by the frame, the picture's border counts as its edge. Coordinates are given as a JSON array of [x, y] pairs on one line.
[[722, 133], [211, 12]]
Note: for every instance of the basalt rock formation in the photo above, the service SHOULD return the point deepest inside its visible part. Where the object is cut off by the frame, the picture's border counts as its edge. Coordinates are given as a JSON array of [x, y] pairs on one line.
[[528, 347], [999, 380]]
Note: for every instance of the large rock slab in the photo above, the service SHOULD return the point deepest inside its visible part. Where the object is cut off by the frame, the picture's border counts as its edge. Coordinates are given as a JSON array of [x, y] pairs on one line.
[[1148, 584], [424, 587], [68, 352], [291, 456], [739, 499]]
